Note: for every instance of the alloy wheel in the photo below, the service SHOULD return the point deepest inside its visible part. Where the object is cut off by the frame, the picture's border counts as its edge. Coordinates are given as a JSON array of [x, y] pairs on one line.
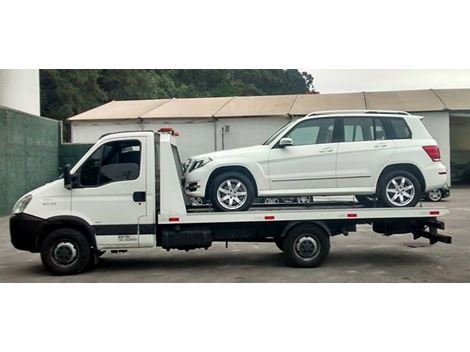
[[400, 191], [435, 195], [232, 194]]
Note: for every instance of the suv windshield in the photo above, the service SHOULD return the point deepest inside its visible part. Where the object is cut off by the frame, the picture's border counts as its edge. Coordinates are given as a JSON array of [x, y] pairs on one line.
[[277, 133]]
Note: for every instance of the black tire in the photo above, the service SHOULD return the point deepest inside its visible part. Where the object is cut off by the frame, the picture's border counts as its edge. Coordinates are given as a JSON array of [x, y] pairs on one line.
[[306, 246], [384, 181], [65, 252], [279, 244], [239, 177], [368, 201], [434, 196]]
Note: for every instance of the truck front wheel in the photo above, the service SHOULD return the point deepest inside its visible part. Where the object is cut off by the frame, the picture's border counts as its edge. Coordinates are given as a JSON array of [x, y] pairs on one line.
[[306, 246], [65, 251]]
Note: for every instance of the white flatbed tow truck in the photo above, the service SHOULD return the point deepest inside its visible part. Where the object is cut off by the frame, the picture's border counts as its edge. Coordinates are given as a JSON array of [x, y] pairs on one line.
[[126, 193]]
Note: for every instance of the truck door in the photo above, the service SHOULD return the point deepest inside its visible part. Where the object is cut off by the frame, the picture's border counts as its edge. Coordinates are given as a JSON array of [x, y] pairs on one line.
[[109, 192]]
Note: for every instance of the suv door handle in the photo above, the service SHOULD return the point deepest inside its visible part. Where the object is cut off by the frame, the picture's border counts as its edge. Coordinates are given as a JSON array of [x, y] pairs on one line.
[[139, 196], [381, 145], [326, 150]]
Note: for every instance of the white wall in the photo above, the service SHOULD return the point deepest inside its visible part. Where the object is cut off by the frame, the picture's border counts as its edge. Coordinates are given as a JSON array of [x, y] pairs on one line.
[[438, 125], [90, 132], [248, 131], [196, 136], [19, 89]]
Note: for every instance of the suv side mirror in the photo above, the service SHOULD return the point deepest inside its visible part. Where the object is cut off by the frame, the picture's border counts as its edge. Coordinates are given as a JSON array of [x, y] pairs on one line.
[[67, 177], [286, 142]]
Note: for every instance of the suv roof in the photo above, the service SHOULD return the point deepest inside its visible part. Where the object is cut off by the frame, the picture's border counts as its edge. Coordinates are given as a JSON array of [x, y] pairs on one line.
[[336, 112]]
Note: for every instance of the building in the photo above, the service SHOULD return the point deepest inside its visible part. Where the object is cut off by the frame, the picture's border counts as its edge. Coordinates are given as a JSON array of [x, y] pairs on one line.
[[19, 90], [208, 124]]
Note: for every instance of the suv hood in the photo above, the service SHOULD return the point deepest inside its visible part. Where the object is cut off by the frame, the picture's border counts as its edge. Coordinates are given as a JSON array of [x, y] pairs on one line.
[[224, 154]]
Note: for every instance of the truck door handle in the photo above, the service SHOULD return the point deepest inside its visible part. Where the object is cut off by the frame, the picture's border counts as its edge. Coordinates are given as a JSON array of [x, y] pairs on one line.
[[139, 196], [326, 150]]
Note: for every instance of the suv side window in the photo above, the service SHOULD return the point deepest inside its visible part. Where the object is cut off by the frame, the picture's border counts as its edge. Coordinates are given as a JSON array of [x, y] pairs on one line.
[[399, 128], [379, 130], [112, 162], [358, 129], [314, 131]]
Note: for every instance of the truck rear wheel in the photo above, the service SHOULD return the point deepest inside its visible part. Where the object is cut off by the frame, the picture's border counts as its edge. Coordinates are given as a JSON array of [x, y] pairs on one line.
[[65, 251], [306, 246]]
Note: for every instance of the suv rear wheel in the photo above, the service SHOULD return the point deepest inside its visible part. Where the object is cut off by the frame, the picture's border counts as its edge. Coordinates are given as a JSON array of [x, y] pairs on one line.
[[399, 189], [232, 191]]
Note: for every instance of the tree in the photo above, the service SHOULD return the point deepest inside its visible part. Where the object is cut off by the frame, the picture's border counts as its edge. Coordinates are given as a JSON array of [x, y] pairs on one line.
[[308, 78], [65, 93]]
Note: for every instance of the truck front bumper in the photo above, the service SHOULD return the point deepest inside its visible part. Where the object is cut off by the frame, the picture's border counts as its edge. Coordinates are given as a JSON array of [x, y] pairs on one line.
[[25, 230]]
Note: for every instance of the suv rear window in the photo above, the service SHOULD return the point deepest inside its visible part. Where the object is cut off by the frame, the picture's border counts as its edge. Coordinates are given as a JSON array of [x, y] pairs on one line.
[[399, 128]]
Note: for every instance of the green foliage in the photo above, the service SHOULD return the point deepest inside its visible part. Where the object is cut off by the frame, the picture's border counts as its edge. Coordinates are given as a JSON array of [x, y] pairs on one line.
[[65, 93]]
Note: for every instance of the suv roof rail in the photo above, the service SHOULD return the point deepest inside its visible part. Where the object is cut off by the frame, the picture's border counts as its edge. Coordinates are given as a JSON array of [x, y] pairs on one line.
[[334, 112]]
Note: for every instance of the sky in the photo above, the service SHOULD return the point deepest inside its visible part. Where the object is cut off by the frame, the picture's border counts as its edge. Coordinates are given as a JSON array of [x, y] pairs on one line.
[[349, 80]]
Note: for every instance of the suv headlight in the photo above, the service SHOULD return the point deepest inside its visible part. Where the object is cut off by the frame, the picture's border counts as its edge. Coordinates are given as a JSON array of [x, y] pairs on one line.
[[200, 163], [21, 204]]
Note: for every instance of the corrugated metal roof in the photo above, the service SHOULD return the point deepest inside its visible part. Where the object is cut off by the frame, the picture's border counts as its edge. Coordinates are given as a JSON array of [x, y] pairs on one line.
[[125, 109], [188, 107], [308, 103], [267, 105], [455, 99], [404, 100], [280, 105]]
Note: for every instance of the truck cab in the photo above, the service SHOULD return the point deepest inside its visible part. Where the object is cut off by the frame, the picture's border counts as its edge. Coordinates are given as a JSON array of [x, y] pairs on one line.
[[113, 192]]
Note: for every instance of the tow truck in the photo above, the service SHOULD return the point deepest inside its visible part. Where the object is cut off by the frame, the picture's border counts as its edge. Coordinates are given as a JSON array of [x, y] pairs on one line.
[[126, 193]]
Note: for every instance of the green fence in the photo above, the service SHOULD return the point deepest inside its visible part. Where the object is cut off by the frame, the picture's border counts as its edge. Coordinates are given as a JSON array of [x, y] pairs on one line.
[[29, 149]]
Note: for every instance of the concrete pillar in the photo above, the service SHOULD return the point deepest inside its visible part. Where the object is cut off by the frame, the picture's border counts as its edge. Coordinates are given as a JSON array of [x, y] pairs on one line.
[[19, 89]]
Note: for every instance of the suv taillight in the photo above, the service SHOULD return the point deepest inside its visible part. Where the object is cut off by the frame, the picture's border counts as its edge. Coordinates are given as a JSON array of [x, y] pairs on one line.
[[433, 152]]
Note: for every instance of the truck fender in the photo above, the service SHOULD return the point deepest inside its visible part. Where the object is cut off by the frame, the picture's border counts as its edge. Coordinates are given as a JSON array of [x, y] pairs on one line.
[[292, 224], [73, 222]]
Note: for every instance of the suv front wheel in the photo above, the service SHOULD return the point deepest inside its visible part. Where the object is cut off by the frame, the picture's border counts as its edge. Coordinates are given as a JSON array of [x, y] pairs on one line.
[[232, 191], [399, 189]]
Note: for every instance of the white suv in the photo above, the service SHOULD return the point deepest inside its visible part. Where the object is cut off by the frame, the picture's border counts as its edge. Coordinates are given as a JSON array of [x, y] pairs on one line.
[[383, 156]]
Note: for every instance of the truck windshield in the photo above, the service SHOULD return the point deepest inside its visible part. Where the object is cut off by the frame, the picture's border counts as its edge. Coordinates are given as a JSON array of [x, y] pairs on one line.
[[276, 134]]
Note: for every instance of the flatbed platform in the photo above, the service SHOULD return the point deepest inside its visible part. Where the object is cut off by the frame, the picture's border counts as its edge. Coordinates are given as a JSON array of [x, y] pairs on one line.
[[323, 212]]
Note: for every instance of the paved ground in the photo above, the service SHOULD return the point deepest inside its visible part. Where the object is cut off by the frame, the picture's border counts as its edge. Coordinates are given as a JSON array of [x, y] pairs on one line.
[[361, 257]]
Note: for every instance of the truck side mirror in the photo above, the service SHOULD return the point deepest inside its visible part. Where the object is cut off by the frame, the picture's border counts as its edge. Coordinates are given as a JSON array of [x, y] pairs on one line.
[[286, 142], [67, 177]]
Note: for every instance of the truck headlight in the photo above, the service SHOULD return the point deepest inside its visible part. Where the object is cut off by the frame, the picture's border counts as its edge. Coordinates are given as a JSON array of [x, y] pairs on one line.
[[21, 204], [200, 163]]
